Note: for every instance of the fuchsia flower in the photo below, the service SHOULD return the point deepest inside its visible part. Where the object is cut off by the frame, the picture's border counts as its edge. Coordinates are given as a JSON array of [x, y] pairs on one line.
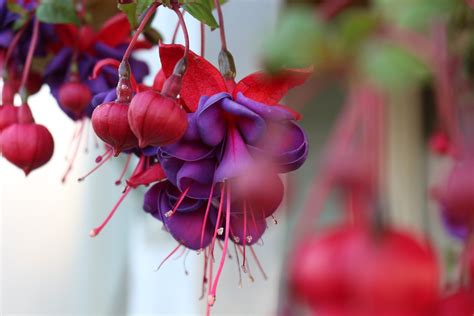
[[81, 48], [223, 173]]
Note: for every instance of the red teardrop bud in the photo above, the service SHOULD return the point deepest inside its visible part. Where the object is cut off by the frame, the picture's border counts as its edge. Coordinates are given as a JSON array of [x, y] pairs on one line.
[[8, 116], [75, 97], [110, 123], [28, 146], [460, 303], [156, 120], [387, 274]]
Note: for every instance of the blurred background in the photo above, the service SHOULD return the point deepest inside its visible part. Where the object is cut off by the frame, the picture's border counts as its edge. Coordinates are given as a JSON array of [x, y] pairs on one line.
[[50, 266]]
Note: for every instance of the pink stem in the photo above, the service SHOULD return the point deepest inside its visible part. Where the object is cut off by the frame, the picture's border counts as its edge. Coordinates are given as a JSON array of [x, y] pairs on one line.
[[29, 58], [185, 29], [203, 40], [221, 24], [146, 18]]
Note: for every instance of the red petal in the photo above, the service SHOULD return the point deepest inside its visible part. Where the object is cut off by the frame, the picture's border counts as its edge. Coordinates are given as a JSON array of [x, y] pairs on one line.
[[268, 89], [201, 77], [67, 33], [142, 45], [116, 30], [153, 174]]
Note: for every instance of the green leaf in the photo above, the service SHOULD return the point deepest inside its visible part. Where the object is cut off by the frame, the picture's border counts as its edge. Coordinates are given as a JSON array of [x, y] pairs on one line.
[[21, 12], [57, 11], [417, 14], [391, 67], [202, 12], [298, 42], [134, 11], [130, 10]]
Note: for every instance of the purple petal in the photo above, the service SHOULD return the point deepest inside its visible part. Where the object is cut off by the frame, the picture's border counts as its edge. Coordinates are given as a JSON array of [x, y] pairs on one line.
[[5, 38], [236, 159], [250, 125], [254, 229], [186, 227], [57, 69], [197, 176], [210, 119], [286, 144], [150, 201], [170, 166], [268, 112], [188, 150], [188, 204]]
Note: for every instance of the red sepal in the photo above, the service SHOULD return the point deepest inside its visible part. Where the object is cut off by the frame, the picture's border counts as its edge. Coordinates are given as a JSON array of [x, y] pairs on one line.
[[268, 89], [67, 33], [142, 45], [152, 174], [201, 77], [115, 31]]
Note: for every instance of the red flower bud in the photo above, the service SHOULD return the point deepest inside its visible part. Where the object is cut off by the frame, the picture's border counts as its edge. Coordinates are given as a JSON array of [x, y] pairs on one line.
[[110, 123], [27, 145], [75, 97], [8, 116], [156, 120]]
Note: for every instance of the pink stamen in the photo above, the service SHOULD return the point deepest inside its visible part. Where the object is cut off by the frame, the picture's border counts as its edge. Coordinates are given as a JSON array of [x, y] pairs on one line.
[[100, 162], [181, 254], [86, 148], [186, 272], [260, 267], [238, 265], [204, 221], [218, 220], [212, 296], [73, 138], [74, 155], [204, 278], [168, 256], [211, 261], [125, 168], [245, 235], [96, 231], [178, 203]]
